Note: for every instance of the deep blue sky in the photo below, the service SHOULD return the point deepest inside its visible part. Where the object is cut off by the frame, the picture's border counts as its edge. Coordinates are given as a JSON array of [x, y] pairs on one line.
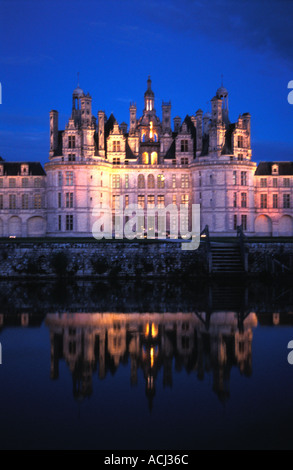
[[185, 45]]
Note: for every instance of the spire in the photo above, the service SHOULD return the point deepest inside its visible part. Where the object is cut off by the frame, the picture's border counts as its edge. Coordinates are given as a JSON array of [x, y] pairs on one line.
[[149, 91]]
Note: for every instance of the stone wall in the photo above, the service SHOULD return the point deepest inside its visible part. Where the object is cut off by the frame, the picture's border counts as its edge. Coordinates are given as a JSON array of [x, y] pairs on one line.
[[101, 259], [125, 259], [272, 258]]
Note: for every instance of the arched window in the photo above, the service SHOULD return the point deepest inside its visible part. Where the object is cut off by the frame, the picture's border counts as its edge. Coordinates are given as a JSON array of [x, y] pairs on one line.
[[145, 158], [155, 137], [143, 138], [141, 182], [154, 158], [151, 181]]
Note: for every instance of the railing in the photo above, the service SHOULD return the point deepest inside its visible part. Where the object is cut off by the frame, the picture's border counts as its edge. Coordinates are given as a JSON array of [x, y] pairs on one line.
[[272, 265], [243, 249], [205, 235]]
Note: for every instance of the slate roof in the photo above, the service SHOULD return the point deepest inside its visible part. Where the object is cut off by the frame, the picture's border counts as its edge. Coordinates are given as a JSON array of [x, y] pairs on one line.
[[265, 168], [170, 155], [129, 153], [13, 168], [227, 148]]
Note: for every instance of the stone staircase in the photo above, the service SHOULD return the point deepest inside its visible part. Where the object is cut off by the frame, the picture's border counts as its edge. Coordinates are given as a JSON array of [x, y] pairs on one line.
[[226, 258]]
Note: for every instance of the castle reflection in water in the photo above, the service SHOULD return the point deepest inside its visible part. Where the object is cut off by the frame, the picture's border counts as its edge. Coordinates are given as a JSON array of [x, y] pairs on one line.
[[157, 330], [98, 343]]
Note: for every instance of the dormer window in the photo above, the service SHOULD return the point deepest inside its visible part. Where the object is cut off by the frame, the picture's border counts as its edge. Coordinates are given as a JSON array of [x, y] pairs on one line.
[[24, 170], [275, 169]]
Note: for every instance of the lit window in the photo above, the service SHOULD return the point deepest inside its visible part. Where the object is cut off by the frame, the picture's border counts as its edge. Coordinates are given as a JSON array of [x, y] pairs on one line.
[[154, 158], [151, 200], [126, 181], [145, 158], [116, 181], [126, 200], [184, 181], [161, 181], [140, 200], [184, 199], [161, 201], [173, 181], [116, 145], [174, 199]]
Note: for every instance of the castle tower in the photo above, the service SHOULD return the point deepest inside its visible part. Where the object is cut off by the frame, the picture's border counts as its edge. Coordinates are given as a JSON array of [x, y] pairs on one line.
[[149, 97], [132, 112], [222, 94], [86, 109], [177, 123]]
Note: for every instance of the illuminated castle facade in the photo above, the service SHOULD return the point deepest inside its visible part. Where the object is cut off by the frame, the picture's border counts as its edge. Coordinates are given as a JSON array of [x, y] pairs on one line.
[[203, 159]]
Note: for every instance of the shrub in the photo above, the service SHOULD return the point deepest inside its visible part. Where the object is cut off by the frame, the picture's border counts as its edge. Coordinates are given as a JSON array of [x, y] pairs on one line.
[[59, 263]]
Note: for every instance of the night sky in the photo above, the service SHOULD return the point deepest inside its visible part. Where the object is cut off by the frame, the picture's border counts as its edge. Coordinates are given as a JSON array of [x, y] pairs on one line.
[[185, 45]]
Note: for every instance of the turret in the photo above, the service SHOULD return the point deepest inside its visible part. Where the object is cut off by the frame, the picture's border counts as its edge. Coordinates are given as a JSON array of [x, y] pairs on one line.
[[53, 132], [101, 132], [166, 116], [177, 123], [132, 112], [149, 97], [198, 116]]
